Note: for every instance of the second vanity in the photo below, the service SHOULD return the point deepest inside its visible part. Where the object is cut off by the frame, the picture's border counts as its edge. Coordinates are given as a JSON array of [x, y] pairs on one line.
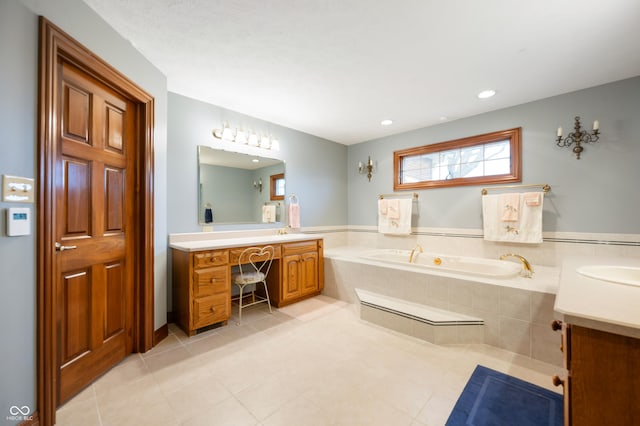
[[600, 341], [201, 274]]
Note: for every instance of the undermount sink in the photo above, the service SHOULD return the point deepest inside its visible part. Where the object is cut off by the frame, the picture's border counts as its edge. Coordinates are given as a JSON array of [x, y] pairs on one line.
[[628, 275]]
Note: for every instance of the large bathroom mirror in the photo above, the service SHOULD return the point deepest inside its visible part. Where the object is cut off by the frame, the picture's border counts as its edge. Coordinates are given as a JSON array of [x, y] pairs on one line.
[[235, 188]]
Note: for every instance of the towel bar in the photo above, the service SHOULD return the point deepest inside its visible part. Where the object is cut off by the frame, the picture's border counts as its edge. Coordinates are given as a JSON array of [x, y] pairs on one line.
[[545, 187]]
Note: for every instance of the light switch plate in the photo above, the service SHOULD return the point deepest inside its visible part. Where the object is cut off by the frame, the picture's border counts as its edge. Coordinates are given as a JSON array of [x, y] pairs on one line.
[[17, 189]]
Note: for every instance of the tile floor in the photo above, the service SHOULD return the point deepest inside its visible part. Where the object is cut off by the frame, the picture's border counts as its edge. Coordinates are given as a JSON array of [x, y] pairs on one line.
[[312, 363]]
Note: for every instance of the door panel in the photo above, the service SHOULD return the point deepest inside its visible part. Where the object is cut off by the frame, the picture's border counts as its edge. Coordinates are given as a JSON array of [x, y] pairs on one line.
[[94, 203], [75, 304]]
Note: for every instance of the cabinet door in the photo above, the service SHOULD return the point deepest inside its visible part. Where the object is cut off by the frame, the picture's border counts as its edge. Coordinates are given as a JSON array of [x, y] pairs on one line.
[[291, 280], [309, 273], [605, 379]]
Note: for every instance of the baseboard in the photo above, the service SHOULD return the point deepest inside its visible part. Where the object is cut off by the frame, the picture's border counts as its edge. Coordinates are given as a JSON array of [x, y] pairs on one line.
[[160, 334]]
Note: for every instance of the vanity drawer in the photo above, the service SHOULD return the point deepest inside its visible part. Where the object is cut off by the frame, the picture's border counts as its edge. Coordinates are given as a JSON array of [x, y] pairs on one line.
[[299, 248], [211, 281], [210, 258], [210, 310], [236, 252]]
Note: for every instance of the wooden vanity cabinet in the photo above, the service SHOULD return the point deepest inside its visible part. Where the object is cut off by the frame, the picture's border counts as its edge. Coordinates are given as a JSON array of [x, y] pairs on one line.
[[602, 386], [202, 280], [301, 273], [201, 289]]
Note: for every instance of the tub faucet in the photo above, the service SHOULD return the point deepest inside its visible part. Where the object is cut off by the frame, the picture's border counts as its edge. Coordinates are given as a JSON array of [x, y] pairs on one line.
[[413, 252], [528, 270]]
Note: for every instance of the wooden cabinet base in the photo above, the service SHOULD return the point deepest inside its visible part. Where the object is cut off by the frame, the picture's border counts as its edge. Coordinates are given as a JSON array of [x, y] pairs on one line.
[[603, 386], [202, 281]]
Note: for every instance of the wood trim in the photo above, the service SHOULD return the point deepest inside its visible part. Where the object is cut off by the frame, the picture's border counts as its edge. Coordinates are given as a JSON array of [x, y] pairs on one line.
[[55, 44], [160, 334], [273, 185], [515, 174]]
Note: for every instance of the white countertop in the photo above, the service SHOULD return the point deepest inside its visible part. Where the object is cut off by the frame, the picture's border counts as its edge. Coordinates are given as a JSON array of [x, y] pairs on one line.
[[599, 304], [197, 245]]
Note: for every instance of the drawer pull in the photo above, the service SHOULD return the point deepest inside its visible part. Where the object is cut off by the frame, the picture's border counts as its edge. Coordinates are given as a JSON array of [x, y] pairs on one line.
[[212, 280], [213, 311], [556, 325], [557, 381]]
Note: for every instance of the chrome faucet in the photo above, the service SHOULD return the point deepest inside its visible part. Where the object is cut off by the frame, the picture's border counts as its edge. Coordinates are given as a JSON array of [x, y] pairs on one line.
[[413, 252], [528, 270]]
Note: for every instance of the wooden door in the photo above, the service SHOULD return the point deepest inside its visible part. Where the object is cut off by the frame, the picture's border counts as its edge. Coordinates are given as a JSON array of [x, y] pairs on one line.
[[94, 205]]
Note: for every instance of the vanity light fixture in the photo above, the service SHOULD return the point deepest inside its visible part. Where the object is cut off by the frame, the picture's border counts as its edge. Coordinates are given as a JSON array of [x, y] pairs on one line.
[[258, 185], [243, 137], [366, 168], [578, 137]]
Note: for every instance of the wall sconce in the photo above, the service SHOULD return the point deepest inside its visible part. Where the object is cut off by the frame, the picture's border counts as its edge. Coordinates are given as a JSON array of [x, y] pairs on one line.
[[366, 168], [243, 137], [578, 137], [258, 185]]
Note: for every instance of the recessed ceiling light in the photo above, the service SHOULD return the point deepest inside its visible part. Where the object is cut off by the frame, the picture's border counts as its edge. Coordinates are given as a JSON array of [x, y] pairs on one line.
[[486, 94], [444, 118], [255, 160], [386, 122]]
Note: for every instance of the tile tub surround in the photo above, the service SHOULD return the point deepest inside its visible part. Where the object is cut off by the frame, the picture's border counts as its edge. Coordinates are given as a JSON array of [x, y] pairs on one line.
[[516, 312]]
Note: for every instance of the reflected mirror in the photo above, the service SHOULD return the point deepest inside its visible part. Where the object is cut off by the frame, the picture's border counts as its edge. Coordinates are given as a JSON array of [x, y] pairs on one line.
[[236, 188]]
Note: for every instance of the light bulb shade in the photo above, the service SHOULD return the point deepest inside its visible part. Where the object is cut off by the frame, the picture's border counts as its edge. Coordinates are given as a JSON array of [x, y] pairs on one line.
[[253, 139], [275, 144], [227, 134], [265, 142], [241, 137]]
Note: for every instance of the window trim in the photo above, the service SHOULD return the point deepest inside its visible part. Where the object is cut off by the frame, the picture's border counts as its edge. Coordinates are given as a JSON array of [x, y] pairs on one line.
[[515, 174], [274, 185]]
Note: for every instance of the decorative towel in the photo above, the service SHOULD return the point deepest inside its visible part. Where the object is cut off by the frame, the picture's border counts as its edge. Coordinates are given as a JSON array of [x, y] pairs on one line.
[[268, 213], [383, 206], [510, 207], [399, 226], [393, 209], [527, 229], [532, 198], [294, 215]]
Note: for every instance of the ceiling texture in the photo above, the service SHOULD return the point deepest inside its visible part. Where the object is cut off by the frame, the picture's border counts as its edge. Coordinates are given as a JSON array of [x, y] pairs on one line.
[[336, 68]]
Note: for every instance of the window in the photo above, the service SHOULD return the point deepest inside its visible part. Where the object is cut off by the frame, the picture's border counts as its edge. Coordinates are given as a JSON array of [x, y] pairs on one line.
[[489, 158], [277, 187]]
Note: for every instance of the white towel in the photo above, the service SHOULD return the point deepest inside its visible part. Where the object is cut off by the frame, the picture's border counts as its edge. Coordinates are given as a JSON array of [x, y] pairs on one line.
[[399, 226], [294, 215], [527, 229], [268, 213]]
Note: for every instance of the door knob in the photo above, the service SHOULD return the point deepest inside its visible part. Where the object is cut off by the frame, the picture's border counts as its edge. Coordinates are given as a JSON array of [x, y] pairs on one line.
[[60, 247]]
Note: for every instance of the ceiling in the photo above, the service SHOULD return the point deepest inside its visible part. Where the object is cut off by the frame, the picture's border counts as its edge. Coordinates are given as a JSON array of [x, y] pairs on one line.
[[336, 68]]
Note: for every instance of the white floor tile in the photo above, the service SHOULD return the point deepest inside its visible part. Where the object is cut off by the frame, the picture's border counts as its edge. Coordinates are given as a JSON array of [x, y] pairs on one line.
[[314, 363]]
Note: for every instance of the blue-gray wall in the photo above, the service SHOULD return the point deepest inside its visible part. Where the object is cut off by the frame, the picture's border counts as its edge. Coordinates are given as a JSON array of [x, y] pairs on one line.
[[316, 169], [596, 194], [18, 121]]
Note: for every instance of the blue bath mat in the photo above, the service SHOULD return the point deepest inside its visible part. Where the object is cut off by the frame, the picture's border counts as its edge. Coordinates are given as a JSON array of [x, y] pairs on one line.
[[491, 398]]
